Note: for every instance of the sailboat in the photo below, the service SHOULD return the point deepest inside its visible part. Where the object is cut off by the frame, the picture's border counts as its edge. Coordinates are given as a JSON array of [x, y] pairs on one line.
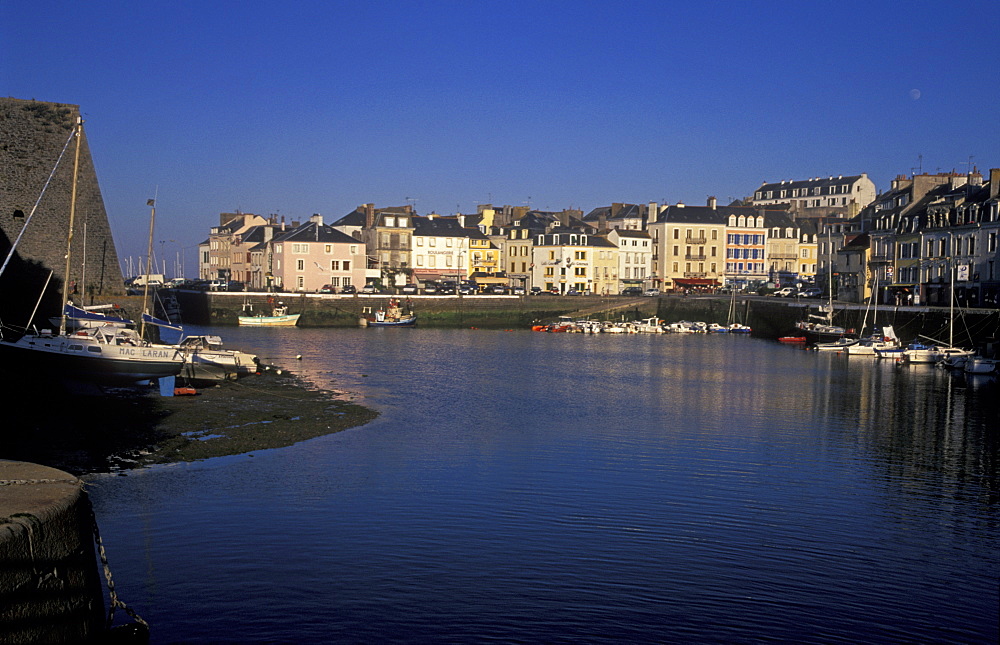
[[946, 355], [105, 354], [819, 327], [732, 325], [881, 339]]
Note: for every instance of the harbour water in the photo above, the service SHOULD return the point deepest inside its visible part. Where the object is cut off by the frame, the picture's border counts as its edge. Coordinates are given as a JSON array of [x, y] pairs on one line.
[[530, 487]]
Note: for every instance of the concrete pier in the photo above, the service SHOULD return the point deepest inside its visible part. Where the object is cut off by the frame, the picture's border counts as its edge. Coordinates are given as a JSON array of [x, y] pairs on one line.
[[50, 588]]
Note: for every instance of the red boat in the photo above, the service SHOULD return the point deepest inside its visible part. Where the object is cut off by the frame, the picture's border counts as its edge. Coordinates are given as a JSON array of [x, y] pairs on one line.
[[792, 339]]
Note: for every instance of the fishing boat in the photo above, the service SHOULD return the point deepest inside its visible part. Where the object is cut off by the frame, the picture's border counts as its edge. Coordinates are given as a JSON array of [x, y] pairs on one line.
[[279, 317], [107, 354], [391, 316]]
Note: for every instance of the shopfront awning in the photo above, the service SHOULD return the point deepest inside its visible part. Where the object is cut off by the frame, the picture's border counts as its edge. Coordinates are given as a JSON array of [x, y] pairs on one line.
[[696, 282]]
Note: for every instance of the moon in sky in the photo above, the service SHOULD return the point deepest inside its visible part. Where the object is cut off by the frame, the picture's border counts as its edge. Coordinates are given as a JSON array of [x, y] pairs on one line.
[[914, 94]]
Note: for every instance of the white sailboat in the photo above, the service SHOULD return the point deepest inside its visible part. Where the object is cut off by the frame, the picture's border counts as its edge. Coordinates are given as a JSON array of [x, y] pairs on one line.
[[101, 355], [947, 355]]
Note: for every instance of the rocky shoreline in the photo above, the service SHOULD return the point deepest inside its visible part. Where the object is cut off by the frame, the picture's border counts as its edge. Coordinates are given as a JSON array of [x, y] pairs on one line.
[[129, 429]]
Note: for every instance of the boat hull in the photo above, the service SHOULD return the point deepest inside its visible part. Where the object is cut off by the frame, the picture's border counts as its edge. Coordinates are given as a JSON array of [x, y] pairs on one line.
[[402, 322], [68, 358], [287, 320]]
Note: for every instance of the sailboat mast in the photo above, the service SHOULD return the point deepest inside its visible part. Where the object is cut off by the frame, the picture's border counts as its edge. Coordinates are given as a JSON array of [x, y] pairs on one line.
[[72, 219], [951, 296], [149, 258]]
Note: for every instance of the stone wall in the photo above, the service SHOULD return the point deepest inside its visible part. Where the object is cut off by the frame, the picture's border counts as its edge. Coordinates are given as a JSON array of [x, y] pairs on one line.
[[32, 134]]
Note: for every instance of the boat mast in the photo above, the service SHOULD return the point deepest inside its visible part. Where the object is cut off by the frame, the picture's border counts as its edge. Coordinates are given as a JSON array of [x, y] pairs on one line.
[[72, 218], [951, 296], [149, 258]]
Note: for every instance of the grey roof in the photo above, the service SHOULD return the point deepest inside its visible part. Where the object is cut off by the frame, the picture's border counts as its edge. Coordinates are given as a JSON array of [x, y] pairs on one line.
[[821, 182], [627, 211], [693, 215], [313, 232]]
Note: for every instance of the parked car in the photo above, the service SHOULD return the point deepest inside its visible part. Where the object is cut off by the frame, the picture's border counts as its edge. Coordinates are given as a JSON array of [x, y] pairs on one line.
[[632, 291], [327, 288], [812, 292], [517, 291], [409, 288], [468, 290], [369, 288], [430, 288], [499, 289], [785, 292], [572, 292], [651, 293], [350, 288], [535, 291], [216, 285]]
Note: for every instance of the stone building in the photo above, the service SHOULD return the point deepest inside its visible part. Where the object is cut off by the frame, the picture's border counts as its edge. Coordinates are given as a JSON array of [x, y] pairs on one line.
[[32, 136], [820, 198]]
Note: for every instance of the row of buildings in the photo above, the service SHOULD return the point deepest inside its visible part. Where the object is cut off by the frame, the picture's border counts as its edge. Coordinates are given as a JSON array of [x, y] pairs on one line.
[[836, 231]]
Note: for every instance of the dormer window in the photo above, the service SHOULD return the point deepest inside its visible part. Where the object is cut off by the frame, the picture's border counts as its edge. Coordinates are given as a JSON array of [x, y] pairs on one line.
[[390, 221]]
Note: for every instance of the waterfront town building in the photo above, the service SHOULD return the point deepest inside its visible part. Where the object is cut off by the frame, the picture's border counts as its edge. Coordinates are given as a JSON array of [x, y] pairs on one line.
[[621, 216], [313, 255], [225, 246], [818, 197], [440, 249], [746, 246], [635, 257], [783, 248], [567, 261], [689, 247]]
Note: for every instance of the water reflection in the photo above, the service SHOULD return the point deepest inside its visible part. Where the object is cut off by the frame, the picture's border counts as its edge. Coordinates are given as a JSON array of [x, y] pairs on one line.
[[557, 488]]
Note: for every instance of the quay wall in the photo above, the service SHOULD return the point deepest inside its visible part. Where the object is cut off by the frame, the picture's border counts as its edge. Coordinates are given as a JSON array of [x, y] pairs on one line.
[[769, 317], [50, 589]]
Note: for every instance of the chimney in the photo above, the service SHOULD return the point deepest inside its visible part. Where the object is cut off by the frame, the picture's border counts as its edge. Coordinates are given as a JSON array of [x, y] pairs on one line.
[[616, 208], [316, 219], [461, 221], [712, 202], [564, 218], [602, 222], [369, 215], [994, 183]]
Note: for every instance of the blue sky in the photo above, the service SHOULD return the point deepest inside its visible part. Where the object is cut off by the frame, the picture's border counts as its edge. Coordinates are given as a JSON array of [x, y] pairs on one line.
[[298, 108]]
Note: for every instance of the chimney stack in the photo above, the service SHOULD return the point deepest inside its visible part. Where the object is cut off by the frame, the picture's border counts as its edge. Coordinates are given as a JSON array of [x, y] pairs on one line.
[[712, 202], [994, 183], [369, 215]]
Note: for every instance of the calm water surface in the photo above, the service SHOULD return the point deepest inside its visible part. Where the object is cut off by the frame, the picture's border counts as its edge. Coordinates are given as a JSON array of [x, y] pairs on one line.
[[526, 487]]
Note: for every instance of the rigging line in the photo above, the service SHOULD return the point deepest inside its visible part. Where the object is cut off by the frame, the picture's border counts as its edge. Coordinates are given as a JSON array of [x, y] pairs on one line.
[[27, 221]]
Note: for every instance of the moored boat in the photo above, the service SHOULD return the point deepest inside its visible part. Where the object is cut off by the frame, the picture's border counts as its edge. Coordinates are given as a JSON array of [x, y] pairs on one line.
[[279, 317], [980, 365], [392, 316], [207, 360]]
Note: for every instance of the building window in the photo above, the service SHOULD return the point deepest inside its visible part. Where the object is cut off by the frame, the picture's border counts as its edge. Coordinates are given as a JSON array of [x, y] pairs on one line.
[[300, 265]]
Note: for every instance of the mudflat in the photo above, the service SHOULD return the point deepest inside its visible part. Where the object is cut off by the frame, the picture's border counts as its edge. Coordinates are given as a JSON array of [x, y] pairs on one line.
[[129, 429]]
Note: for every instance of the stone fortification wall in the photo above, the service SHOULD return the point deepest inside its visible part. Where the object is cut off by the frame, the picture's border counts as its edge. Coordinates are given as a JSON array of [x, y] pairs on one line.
[[32, 134]]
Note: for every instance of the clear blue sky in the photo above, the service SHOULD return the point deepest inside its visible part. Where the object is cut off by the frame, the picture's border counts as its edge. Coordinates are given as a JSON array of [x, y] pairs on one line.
[[298, 108]]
